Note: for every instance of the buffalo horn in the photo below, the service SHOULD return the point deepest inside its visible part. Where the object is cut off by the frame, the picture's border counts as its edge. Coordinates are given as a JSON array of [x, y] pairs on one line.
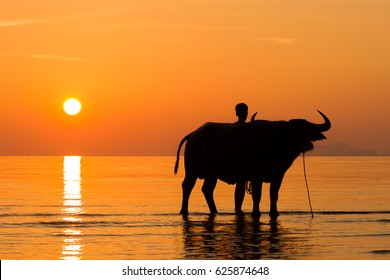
[[253, 117], [326, 125]]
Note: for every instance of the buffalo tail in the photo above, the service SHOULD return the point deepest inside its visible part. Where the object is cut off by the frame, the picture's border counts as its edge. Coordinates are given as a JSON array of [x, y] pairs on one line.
[[178, 152]]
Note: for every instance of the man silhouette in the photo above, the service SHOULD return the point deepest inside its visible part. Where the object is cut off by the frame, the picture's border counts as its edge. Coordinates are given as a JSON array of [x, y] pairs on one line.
[[239, 193], [241, 112]]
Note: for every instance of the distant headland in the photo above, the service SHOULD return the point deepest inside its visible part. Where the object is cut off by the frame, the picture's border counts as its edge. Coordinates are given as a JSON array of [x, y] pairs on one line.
[[343, 149]]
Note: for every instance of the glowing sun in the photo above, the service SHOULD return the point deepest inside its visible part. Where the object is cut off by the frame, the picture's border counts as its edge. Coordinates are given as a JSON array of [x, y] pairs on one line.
[[72, 106]]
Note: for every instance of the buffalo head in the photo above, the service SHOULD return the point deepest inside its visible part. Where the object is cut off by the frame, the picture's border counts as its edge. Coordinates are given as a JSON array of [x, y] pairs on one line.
[[311, 132]]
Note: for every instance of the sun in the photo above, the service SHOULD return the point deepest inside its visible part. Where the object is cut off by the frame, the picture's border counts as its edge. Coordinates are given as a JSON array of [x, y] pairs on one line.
[[72, 106]]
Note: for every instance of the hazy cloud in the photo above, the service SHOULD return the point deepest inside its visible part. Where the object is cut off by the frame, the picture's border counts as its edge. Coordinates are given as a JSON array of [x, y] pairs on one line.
[[57, 57], [21, 22], [44, 56], [278, 40]]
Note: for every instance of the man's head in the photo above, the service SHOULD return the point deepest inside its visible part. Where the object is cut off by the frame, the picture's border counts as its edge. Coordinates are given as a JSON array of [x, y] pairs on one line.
[[241, 112]]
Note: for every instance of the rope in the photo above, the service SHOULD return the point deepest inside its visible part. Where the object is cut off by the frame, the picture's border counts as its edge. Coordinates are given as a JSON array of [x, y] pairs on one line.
[[307, 185]]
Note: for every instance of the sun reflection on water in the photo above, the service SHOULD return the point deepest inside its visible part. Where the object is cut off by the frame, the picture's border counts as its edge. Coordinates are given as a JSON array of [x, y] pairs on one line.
[[72, 209]]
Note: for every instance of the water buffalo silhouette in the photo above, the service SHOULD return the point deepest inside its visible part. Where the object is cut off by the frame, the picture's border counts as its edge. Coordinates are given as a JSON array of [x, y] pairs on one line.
[[258, 151]]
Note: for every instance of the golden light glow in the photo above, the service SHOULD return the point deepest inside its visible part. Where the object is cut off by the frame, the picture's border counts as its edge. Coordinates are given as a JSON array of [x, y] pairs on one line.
[[72, 248], [72, 106]]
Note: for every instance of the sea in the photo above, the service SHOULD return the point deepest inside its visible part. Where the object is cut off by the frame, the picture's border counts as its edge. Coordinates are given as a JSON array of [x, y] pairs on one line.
[[127, 208]]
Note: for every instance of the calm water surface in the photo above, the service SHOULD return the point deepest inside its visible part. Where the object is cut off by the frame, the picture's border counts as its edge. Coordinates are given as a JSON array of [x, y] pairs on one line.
[[127, 208]]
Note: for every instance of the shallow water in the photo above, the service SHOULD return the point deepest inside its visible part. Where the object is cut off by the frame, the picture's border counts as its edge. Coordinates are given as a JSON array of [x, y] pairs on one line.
[[127, 208]]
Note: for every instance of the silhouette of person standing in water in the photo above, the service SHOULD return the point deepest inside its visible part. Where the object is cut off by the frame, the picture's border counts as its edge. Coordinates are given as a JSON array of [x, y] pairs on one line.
[[239, 193]]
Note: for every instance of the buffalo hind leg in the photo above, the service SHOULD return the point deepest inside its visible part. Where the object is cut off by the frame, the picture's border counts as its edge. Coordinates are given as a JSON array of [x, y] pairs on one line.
[[274, 196], [187, 186], [208, 192], [256, 197]]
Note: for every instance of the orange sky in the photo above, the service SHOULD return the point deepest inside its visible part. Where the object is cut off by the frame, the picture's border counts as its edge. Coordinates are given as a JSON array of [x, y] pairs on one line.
[[150, 71]]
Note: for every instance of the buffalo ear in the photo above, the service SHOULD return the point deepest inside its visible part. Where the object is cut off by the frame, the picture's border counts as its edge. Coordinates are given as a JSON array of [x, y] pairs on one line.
[[253, 117]]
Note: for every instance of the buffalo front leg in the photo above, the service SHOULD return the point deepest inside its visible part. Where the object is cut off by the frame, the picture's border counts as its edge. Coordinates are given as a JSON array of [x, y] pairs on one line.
[[256, 197], [208, 192], [187, 186], [274, 196]]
